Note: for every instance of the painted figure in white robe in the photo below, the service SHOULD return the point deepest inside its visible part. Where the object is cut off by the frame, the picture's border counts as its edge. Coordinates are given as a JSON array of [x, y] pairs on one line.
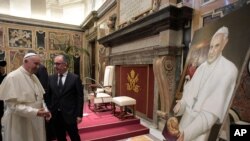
[[22, 92], [207, 95]]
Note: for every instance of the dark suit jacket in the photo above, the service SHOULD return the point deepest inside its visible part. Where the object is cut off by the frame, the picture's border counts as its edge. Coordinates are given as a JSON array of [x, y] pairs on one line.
[[70, 101], [42, 75]]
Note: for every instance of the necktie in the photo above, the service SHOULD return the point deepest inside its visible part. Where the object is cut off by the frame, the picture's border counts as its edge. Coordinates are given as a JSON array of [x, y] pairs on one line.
[[60, 84]]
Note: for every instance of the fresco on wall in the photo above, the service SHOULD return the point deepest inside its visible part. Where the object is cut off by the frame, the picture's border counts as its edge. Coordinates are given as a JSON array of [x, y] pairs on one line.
[[50, 64], [77, 40], [58, 41], [1, 37], [16, 59], [20, 38], [208, 85], [2, 55], [40, 39], [43, 56]]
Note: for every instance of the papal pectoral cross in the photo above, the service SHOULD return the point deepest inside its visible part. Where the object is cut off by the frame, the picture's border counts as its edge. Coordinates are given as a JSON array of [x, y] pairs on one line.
[[195, 100]]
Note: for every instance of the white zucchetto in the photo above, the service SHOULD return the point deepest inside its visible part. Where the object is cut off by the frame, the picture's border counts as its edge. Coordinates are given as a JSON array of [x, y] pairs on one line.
[[29, 55]]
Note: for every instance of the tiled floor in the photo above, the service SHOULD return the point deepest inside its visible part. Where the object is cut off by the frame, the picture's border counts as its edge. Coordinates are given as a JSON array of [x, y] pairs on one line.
[[155, 134], [153, 130]]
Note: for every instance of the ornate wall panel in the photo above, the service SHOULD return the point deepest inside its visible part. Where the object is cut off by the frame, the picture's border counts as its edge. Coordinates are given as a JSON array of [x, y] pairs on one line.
[[16, 58], [19, 38], [58, 40], [77, 40], [40, 39], [16, 39]]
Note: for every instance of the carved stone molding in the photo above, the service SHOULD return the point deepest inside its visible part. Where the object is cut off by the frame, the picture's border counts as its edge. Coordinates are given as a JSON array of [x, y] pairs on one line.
[[170, 17], [89, 21], [142, 44], [91, 35], [164, 72], [143, 56], [108, 4]]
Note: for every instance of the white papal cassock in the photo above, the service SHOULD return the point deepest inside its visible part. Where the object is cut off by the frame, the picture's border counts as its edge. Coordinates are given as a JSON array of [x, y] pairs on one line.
[[23, 95], [206, 98]]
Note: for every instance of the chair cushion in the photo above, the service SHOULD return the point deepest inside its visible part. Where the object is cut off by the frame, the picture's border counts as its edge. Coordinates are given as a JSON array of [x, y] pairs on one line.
[[124, 100], [102, 98], [101, 95], [99, 90]]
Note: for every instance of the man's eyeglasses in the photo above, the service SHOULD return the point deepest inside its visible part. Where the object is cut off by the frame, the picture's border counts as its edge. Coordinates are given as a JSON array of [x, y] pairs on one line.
[[58, 64]]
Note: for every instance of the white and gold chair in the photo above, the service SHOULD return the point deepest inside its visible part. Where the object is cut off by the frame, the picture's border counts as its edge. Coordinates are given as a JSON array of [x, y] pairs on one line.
[[102, 94]]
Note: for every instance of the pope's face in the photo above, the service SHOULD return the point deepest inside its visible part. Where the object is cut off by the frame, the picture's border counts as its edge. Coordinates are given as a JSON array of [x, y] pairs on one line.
[[216, 46], [34, 63]]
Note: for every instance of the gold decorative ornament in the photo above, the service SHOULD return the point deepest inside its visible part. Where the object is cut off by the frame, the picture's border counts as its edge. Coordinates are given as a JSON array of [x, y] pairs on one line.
[[133, 79]]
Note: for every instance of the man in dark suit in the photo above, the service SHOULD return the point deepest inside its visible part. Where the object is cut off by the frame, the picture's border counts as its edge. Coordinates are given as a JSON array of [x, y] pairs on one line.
[[65, 100], [2, 76]]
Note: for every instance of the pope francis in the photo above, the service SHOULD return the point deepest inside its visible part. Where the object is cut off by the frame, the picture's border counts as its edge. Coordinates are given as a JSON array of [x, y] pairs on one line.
[[22, 93]]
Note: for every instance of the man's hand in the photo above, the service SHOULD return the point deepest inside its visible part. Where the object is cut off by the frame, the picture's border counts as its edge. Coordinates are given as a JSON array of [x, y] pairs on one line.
[[48, 116], [43, 113], [78, 120]]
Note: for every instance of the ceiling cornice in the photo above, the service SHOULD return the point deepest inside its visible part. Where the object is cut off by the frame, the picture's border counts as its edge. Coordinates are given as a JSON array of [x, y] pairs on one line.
[[35, 22], [95, 15], [89, 21], [170, 17], [105, 7]]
